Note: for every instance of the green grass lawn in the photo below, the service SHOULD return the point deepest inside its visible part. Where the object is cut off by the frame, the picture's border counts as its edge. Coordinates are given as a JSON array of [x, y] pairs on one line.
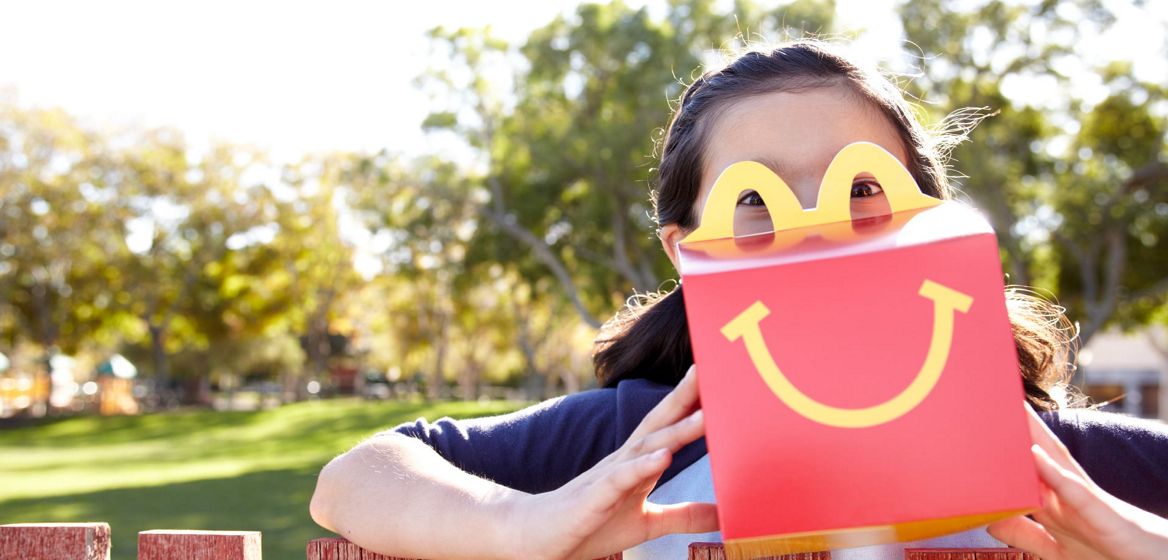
[[195, 470]]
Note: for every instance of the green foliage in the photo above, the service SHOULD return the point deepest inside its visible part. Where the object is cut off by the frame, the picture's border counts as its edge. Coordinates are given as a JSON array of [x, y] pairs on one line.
[[148, 246], [1070, 182], [499, 260], [567, 138], [55, 233]]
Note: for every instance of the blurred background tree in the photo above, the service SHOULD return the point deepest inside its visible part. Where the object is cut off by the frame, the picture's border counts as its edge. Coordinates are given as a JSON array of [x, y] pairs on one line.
[[1074, 178], [57, 234], [496, 260]]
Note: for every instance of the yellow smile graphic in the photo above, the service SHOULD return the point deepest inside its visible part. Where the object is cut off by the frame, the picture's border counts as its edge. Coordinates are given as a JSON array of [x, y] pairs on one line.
[[946, 303]]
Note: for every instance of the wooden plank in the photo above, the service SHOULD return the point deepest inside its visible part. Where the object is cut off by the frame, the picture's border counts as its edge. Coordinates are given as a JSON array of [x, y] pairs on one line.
[[199, 545], [701, 550], [336, 548], [967, 554], [715, 551], [939, 554], [1004, 554], [706, 551], [55, 541]]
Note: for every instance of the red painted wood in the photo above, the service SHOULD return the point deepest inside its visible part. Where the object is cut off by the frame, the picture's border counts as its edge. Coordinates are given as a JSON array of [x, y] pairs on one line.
[[336, 548], [714, 551], [55, 541], [199, 545], [967, 554]]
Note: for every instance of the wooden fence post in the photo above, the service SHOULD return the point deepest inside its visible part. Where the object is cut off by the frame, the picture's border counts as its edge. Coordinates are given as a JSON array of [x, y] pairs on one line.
[[55, 541], [715, 551], [967, 554], [199, 545], [336, 548]]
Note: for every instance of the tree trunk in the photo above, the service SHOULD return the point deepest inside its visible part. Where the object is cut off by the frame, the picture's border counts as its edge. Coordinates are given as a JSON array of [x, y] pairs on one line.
[[161, 364], [543, 253], [620, 251], [570, 380], [47, 335], [1161, 348], [437, 386], [468, 380], [1104, 294], [536, 380], [317, 348]]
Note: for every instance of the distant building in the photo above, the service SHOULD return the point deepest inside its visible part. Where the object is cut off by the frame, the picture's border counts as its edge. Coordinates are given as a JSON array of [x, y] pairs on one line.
[[1129, 371]]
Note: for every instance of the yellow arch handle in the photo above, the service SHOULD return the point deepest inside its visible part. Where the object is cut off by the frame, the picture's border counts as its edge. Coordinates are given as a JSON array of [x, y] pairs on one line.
[[946, 303], [833, 203]]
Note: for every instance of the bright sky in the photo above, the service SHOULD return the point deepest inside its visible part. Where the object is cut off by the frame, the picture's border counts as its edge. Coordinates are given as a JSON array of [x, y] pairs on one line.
[[295, 77], [291, 77]]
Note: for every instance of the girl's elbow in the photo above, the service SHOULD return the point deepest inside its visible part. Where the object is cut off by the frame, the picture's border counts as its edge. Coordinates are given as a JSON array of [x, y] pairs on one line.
[[342, 484], [345, 484], [321, 506]]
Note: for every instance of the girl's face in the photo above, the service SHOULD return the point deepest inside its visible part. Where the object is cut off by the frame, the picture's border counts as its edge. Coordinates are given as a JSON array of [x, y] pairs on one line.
[[796, 135]]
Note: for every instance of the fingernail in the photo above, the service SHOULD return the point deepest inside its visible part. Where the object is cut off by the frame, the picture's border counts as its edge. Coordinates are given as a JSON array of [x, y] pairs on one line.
[[659, 454], [697, 416]]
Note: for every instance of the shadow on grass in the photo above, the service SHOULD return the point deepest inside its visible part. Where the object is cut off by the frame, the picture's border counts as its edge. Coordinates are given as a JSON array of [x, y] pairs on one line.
[[274, 502]]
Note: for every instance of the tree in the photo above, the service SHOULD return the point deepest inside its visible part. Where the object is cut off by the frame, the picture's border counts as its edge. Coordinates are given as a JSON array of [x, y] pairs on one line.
[[565, 139], [316, 263], [1067, 180], [562, 130], [57, 240], [200, 253], [430, 212]]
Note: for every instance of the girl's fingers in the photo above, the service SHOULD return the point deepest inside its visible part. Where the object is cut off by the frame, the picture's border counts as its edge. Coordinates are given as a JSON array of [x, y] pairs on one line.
[[675, 406], [1041, 435], [1071, 490], [687, 517], [672, 437], [623, 477], [1026, 534]]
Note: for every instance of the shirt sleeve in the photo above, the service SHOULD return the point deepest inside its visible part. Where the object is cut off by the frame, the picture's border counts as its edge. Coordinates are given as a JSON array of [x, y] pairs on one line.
[[542, 447], [1126, 456]]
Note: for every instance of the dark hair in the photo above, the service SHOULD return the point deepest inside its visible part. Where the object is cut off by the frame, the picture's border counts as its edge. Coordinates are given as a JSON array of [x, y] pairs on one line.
[[649, 338]]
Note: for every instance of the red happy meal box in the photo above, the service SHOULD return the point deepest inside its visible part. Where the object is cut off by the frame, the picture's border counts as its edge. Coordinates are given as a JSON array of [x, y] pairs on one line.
[[859, 379]]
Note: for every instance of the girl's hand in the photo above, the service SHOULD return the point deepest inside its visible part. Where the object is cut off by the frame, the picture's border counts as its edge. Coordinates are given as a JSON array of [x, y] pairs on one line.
[[1078, 519], [603, 510]]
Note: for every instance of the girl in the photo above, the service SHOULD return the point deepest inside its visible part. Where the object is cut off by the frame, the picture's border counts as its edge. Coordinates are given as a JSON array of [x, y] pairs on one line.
[[569, 478]]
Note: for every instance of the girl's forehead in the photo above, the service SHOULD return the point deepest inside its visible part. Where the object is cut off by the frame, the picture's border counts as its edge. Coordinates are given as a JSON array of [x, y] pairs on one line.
[[795, 134]]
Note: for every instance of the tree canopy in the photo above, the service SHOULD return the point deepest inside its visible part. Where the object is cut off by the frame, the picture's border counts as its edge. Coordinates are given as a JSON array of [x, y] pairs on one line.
[[499, 261]]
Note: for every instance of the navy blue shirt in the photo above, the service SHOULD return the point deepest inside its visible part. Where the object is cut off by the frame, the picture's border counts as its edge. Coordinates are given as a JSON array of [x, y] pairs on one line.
[[542, 447]]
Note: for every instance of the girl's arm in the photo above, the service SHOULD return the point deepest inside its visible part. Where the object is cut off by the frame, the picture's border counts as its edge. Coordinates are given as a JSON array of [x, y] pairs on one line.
[[394, 495], [1079, 519]]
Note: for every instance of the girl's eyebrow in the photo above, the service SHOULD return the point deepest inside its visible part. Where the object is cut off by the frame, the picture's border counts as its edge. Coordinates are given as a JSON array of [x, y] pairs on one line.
[[774, 165]]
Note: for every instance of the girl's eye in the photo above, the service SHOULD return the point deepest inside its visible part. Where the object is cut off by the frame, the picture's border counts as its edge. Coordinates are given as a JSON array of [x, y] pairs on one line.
[[863, 189], [751, 198]]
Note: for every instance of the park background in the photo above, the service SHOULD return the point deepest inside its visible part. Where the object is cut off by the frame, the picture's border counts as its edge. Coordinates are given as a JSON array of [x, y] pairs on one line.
[[270, 229]]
